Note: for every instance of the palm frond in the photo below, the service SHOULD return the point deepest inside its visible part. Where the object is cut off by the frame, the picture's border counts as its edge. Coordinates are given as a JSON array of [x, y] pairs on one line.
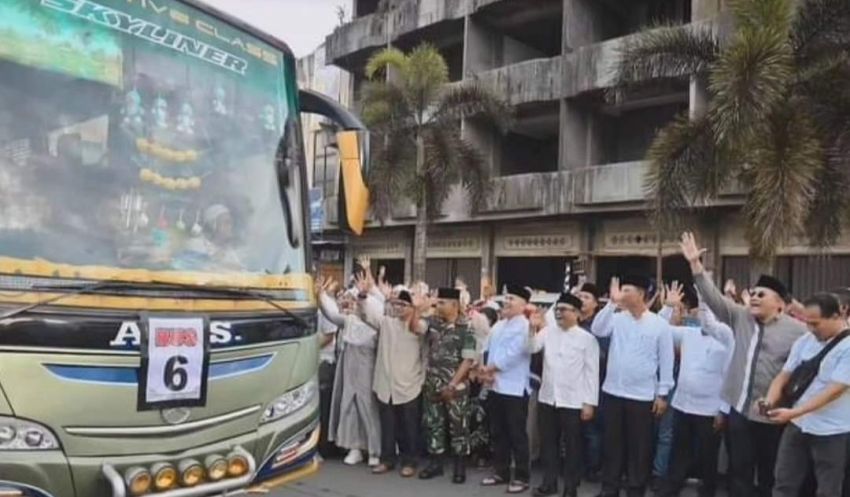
[[666, 52], [751, 78], [830, 203], [680, 162], [386, 58], [392, 167], [821, 26], [781, 179], [425, 75], [756, 15], [471, 99], [384, 106]]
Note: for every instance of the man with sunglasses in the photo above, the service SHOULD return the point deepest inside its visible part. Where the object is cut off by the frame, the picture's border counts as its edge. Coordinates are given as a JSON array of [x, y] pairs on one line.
[[451, 352], [569, 392], [764, 335]]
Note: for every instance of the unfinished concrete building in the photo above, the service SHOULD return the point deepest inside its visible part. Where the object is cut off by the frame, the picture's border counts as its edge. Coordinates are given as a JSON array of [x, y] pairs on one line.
[[568, 177]]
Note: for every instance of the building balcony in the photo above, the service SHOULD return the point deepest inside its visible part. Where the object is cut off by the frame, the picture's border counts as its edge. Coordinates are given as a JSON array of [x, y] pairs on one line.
[[537, 80], [610, 183]]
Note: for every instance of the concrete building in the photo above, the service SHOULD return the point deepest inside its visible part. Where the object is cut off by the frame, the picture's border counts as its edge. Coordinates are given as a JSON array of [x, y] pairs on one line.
[[568, 177]]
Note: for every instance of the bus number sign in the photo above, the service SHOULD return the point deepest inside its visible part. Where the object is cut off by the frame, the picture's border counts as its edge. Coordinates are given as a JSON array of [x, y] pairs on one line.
[[175, 363]]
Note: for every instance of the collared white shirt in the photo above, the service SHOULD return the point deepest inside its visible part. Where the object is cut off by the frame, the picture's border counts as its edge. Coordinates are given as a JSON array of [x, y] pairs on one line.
[[705, 355], [507, 349], [570, 366], [640, 358]]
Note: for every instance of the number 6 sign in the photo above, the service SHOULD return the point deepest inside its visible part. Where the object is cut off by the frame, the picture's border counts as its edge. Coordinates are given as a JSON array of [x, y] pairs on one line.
[[175, 363]]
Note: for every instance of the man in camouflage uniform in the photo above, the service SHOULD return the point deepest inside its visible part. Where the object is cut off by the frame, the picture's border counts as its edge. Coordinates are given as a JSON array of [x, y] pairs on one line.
[[451, 351]]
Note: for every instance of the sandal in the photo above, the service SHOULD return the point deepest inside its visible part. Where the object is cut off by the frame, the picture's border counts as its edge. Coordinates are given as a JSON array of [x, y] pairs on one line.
[[493, 480], [408, 471], [381, 469], [517, 487]]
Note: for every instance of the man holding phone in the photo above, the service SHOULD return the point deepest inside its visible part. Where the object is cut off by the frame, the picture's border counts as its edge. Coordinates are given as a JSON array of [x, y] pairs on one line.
[[819, 421]]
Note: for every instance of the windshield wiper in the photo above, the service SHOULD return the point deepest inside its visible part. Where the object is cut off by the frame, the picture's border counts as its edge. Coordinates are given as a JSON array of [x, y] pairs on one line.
[[96, 286], [73, 290]]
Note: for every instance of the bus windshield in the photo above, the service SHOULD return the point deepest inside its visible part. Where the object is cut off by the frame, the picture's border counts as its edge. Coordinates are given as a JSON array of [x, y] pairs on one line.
[[145, 135]]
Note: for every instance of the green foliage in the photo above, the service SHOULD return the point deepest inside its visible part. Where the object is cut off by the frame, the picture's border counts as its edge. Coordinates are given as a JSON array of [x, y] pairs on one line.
[[408, 96], [777, 122]]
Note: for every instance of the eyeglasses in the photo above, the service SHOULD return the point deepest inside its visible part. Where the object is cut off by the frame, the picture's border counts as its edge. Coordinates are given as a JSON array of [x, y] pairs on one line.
[[565, 309], [760, 294]]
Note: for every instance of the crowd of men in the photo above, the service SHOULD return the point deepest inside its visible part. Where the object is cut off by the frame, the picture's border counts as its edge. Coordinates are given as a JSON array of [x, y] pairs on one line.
[[642, 387]]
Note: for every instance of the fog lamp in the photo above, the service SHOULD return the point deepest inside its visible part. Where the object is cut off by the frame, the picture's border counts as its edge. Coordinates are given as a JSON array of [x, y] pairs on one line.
[[164, 476]]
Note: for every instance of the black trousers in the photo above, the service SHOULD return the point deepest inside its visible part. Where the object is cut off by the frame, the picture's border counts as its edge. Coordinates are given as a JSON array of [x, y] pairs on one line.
[[399, 426], [326, 387], [828, 453], [752, 453], [627, 444], [509, 415], [557, 424], [694, 440]]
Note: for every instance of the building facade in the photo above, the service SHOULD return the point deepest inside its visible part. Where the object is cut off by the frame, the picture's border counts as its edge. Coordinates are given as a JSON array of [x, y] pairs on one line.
[[568, 176]]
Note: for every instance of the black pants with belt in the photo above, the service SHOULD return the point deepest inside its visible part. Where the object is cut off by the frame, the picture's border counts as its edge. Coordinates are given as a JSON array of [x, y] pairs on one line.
[[752, 454], [627, 444], [399, 426], [509, 415], [694, 439], [557, 424]]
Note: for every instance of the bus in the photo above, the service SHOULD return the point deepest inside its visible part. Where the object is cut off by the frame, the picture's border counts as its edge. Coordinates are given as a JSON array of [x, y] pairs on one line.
[[157, 315]]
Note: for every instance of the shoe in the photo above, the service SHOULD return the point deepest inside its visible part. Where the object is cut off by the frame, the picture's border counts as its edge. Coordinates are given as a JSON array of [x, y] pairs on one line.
[[517, 487], [545, 490], [433, 470], [459, 474], [493, 480], [408, 471], [382, 468], [353, 457], [374, 461]]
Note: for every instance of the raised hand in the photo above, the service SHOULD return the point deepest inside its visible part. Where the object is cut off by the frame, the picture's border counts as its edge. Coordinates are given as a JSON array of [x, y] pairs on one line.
[[614, 291], [536, 321], [729, 289], [362, 282], [745, 296], [674, 294], [689, 247]]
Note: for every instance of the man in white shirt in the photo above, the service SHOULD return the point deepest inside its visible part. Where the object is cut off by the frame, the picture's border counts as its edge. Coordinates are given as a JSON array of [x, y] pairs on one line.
[[705, 347], [639, 377], [508, 363], [819, 420], [568, 394]]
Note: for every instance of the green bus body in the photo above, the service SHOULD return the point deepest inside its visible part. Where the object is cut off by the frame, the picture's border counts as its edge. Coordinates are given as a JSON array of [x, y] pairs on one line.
[[156, 307]]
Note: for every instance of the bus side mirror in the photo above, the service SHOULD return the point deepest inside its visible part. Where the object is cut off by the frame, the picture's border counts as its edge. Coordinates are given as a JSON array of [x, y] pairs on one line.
[[353, 199]]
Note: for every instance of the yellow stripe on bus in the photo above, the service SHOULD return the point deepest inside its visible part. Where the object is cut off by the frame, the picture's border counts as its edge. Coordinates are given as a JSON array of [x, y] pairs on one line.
[[115, 302], [47, 269]]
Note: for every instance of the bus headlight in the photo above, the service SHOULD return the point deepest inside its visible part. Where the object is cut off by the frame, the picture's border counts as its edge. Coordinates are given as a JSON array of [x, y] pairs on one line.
[[291, 401], [191, 472], [138, 481], [164, 476], [17, 434], [216, 467]]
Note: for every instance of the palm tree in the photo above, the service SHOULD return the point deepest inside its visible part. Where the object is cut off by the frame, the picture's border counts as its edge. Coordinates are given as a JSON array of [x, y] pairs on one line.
[[777, 118], [414, 117]]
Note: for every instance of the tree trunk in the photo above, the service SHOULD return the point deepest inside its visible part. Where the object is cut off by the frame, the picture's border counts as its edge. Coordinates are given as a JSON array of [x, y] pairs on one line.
[[420, 237], [759, 267]]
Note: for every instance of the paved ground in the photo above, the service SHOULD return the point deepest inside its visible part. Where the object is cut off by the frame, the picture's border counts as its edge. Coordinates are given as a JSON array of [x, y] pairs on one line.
[[338, 480]]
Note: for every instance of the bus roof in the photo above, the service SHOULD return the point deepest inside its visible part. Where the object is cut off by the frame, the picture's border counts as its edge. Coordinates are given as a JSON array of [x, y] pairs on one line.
[[240, 24]]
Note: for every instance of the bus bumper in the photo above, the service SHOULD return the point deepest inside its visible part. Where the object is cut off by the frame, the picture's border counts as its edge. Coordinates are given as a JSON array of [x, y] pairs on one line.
[[278, 453]]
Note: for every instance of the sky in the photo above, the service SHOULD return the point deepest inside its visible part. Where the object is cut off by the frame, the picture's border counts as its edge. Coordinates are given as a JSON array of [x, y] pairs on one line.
[[302, 24]]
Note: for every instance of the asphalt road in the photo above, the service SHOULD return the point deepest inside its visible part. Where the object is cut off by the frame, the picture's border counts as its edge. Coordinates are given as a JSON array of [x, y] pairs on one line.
[[338, 480]]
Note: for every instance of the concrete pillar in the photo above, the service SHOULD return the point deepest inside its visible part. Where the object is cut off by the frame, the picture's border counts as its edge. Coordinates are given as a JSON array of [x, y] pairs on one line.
[[576, 135], [479, 47], [581, 26]]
